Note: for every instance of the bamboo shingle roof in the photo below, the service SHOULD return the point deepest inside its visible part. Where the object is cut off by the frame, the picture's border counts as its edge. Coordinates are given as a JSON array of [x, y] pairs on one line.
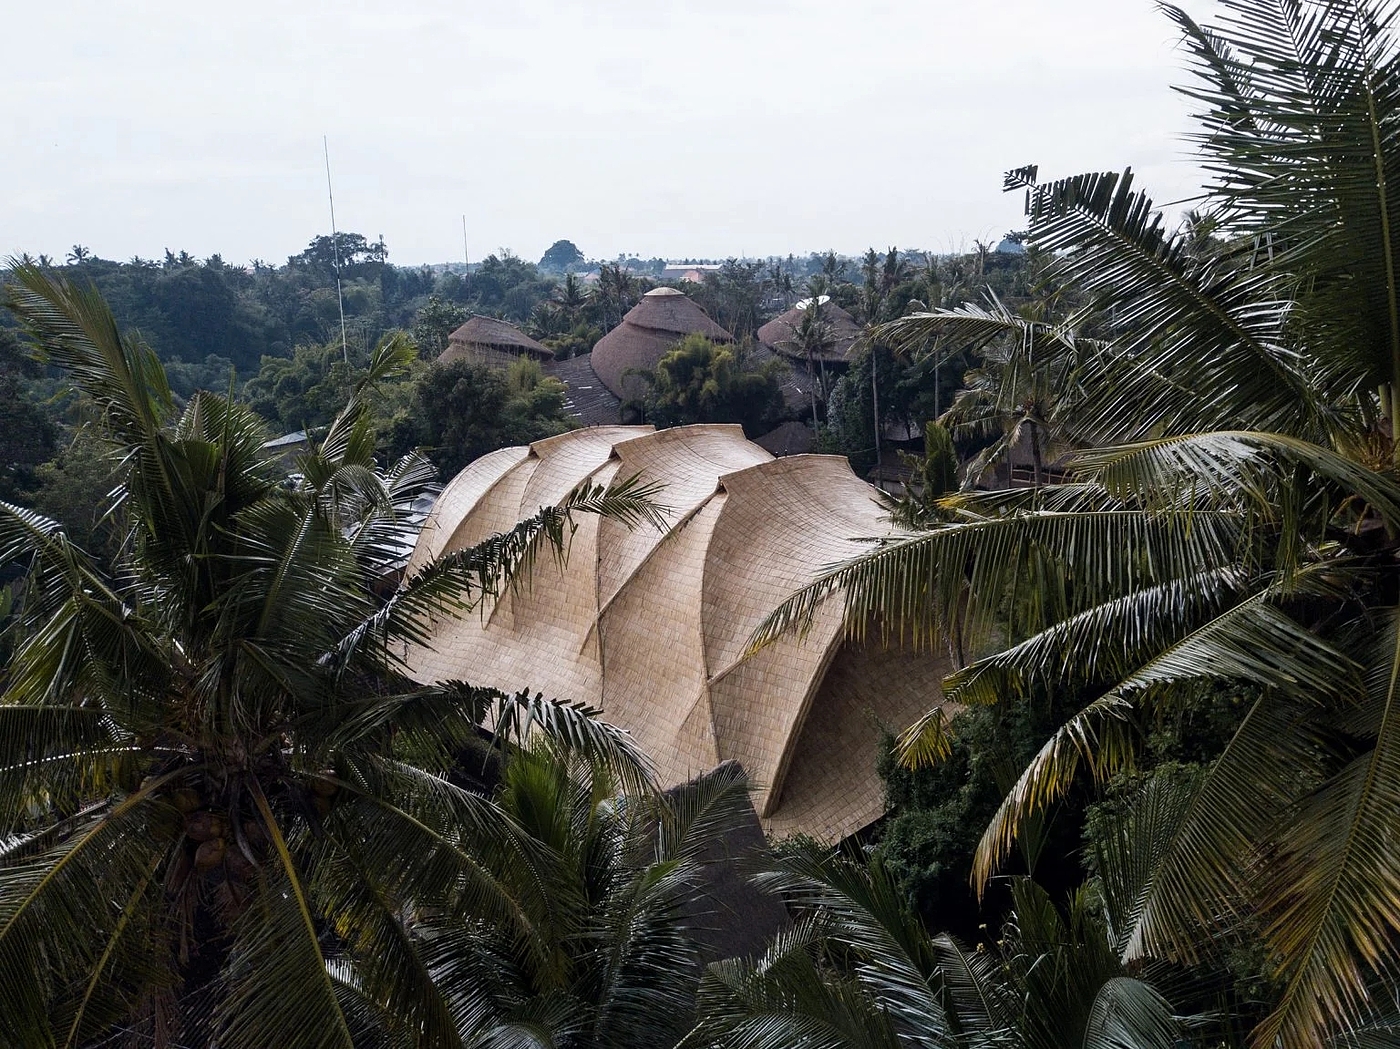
[[491, 334], [587, 400], [650, 329], [651, 626]]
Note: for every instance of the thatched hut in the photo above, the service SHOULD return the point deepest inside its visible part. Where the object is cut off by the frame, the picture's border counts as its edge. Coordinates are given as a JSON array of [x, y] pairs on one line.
[[650, 329], [780, 334], [494, 342], [652, 626]]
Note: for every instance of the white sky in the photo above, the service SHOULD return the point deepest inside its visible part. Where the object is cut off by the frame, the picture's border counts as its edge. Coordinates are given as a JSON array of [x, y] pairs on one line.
[[671, 127]]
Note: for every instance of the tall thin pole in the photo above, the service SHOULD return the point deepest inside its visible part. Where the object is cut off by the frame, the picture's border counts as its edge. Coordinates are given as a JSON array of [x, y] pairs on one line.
[[875, 408], [335, 242], [466, 259]]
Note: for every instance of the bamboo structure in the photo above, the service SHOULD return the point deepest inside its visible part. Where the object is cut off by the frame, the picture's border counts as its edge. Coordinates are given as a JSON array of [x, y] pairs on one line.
[[652, 626]]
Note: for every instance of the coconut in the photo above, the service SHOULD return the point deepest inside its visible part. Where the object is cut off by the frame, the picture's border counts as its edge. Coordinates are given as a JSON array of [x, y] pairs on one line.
[[205, 826], [210, 854], [239, 867], [186, 799]]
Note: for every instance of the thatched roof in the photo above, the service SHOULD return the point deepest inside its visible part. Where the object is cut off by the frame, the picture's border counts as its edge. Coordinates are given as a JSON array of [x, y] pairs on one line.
[[791, 438], [780, 332], [796, 387], [495, 334], [651, 328], [652, 626]]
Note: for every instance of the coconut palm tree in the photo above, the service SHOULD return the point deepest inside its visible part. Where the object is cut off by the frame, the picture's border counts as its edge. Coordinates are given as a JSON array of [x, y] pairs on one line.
[[860, 970], [1241, 533], [623, 921], [572, 297], [813, 337], [221, 801], [1022, 393]]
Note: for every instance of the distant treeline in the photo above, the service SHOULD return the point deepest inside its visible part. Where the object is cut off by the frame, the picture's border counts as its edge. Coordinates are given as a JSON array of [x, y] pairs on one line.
[[208, 315], [208, 312]]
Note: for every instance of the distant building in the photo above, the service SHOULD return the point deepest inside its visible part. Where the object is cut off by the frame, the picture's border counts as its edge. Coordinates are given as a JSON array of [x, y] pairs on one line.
[[586, 398], [790, 438], [780, 334], [494, 342], [289, 445], [691, 271]]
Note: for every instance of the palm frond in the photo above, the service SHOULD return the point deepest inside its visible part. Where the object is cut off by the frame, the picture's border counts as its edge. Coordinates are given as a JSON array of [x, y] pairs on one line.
[[914, 587], [1174, 314], [1300, 138], [1328, 891], [459, 581], [1243, 644], [280, 992], [75, 331], [1130, 1013]]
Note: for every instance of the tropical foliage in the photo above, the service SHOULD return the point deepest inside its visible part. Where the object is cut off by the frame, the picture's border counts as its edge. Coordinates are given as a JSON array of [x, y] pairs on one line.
[[616, 954], [860, 970], [1235, 523], [220, 801], [701, 381]]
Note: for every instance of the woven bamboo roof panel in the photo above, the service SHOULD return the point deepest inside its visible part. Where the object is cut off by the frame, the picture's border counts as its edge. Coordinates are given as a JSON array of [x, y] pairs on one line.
[[493, 334], [650, 329], [780, 333], [651, 625]]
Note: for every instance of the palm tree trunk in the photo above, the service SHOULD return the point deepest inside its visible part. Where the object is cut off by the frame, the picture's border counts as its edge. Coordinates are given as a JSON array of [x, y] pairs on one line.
[[1035, 454]]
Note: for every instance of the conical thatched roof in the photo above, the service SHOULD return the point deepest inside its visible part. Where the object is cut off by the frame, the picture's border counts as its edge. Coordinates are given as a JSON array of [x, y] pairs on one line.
[[652, 626], [492, 334], [779, 333], [651, 328]]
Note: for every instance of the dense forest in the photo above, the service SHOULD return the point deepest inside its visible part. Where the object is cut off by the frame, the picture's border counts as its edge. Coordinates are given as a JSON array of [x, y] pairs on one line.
[[273, 335]]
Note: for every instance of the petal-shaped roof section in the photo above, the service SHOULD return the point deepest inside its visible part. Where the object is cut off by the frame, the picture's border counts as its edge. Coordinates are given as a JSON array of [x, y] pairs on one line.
[[652, 625]]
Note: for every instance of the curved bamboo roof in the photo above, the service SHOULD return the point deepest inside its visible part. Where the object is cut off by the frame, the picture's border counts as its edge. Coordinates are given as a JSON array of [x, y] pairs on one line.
[[652, 626], [779, 333], [650, 329], [493, 334]]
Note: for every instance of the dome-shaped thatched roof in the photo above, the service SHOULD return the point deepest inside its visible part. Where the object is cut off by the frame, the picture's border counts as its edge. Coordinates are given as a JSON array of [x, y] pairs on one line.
[[652, 627], [494, 337], [661, 319], [780, 333]]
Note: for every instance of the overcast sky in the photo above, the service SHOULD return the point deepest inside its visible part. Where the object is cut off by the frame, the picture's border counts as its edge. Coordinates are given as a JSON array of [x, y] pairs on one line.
[[665, 127]]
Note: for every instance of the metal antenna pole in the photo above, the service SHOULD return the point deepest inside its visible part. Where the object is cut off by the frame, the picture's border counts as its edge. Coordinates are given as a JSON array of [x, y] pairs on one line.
[[875, 407], [335, 242], [465, 257]]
